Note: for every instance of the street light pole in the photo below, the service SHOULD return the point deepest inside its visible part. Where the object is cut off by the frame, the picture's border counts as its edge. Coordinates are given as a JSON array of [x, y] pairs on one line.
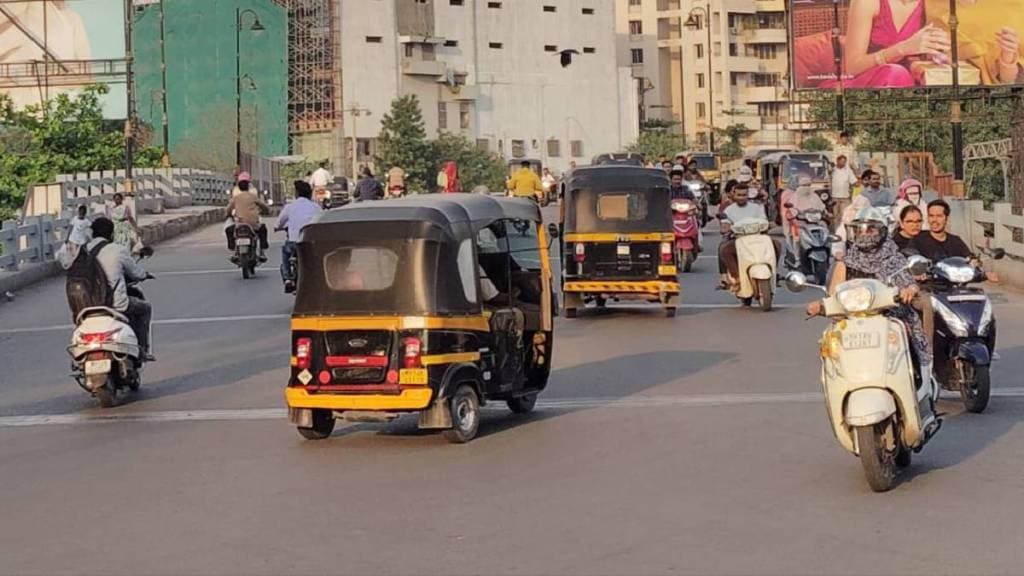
[[256, 27], [166, 160], [693, 22], [954, 108]]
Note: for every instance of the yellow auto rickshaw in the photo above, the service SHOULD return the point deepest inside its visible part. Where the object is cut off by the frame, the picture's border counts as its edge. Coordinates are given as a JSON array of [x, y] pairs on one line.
[[618, 240], [433, 304]]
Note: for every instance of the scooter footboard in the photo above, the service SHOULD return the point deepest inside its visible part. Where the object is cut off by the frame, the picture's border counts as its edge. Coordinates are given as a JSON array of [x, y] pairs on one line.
[[760, 272], [868, 406]]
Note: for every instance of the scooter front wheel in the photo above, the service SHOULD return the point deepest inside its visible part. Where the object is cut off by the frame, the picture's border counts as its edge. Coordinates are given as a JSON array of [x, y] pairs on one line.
[[976, 387], [878, 461]]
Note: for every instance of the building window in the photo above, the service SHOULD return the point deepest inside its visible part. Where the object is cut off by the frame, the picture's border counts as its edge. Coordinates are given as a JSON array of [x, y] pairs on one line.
[[636, 28], [495, 45], [442, 116], [734, 50], [550, 48], [429, 53], [636, 2], [701, 111], [589, 50], [700, 80], [769, 109], [550, 9], [588, 11], [518, 148], [364, 148], [637, 55], [451, 43], [576, 148], [456, 2], [409, 51], [483, 144], [494, 4], [699, 49], [374, 39], [765, 80], [763, 51], [464, 115], [554, 148]]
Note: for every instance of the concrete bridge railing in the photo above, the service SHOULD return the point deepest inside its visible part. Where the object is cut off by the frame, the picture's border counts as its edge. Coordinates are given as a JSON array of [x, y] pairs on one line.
[[997, 227]]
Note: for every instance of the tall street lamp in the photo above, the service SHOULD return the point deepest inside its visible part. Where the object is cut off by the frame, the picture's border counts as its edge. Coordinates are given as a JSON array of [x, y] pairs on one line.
[[693, 22], [256, 26]]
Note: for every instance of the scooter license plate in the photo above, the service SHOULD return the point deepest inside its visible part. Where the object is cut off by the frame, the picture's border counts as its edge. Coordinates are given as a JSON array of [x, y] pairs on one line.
[[861, 340], [244, 242], [622, 250], [93, 367]]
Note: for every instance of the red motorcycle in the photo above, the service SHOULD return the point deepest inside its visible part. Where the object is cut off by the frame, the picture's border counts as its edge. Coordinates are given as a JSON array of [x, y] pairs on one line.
[[687, 230]]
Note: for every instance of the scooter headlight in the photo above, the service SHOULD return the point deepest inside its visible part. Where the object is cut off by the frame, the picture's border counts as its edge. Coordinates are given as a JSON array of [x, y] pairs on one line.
[[813, 217], [953, 320], [986, 319], [856, 298], [957, 274]]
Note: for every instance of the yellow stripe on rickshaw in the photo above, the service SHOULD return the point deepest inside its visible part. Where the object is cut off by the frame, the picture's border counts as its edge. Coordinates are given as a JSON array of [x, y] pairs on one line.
[[409, 399], [454, 358], [651, 287]]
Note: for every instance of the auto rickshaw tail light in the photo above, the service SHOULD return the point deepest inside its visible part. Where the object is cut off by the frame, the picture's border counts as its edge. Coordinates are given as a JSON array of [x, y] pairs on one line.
[[666, 252], [580, 251], [411, 352], [303, 352]]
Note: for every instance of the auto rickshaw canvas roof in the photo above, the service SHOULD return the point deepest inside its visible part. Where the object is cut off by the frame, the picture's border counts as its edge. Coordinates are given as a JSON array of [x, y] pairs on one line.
[[458, 216], [616, 176]]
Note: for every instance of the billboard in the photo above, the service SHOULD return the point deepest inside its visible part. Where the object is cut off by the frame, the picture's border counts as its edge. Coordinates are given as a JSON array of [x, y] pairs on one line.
[[83, 40], [901, 44]]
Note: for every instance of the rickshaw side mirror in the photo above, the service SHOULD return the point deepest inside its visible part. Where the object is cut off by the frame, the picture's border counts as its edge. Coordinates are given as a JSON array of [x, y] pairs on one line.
[[552, 231]]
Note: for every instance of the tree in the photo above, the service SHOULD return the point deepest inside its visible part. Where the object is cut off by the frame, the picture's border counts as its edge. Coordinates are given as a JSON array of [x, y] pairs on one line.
[[816, 143], [403, 142], [62, 135], [654, 144], [477, 167], [733, 135]]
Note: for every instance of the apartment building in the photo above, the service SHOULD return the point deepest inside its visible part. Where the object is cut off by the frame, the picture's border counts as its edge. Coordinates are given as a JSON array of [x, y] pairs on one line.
[[739, 77], [493, 71]]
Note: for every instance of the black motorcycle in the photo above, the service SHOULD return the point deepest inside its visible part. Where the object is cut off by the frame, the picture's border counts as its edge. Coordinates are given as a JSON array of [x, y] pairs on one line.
[[247, 255], [965, 330]]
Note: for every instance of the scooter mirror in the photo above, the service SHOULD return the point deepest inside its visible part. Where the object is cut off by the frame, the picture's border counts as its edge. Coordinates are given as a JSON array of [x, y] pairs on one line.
[[998, 253], [918, 265], [796, 282], [552, 230]]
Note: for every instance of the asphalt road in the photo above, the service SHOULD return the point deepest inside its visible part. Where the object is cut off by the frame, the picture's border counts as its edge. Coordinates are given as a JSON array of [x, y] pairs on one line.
[[698, 444]]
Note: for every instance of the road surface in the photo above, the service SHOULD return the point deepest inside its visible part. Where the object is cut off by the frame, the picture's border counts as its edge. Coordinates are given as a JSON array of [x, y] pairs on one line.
[[697, 444]]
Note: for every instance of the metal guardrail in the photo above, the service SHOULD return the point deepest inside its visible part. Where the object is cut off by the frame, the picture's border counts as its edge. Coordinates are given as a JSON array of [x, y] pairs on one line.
[[33, 241]]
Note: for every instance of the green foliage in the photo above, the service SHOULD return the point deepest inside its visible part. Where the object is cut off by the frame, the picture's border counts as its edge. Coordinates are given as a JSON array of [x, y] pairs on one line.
[[656, 144], [918, 121], [816, 143], [733, 135], [64, 135], [657, 125], [476, 166], [403, 142]]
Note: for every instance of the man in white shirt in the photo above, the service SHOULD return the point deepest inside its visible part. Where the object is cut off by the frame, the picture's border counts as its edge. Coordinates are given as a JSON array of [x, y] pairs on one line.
[[741, 209], [843, 181], [293, 218], [844, 147], [320, 180]]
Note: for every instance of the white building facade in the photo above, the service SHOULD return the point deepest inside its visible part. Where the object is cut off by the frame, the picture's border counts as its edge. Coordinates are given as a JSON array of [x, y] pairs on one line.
[[748, 80], [492, 70]]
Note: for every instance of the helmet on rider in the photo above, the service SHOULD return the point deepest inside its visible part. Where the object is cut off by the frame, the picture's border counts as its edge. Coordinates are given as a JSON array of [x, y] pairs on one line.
[[678, 169], [868, 230]]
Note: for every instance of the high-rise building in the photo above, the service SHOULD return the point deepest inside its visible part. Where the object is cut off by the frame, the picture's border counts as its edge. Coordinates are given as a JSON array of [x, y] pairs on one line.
[[494, 71], [740, 76]]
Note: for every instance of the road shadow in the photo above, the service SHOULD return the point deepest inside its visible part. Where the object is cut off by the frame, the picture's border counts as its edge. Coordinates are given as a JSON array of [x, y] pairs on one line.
[[606, 380], [965, 435]]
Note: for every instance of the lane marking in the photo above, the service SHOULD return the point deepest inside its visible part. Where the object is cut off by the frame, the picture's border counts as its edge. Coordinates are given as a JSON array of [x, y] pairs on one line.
[[161, 322], [558, 404]]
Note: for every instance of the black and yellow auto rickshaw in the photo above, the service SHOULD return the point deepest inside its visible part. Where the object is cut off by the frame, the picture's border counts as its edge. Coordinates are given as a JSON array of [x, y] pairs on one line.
[[433, 304], [618, 241]]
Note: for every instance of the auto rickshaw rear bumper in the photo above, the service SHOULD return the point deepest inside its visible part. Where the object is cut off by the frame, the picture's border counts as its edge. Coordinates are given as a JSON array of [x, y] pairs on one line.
[[409, 400], [653, 287]]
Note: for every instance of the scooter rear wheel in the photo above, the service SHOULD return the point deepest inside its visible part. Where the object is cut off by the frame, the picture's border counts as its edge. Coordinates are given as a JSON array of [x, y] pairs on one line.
[[764, 291], [107, 394], [879, 463]]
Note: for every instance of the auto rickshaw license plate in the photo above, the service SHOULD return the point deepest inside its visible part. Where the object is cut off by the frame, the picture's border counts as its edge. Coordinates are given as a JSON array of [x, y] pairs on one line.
[[413, 376], [244, 242], [623, 250], [97, 367], [861, 340]]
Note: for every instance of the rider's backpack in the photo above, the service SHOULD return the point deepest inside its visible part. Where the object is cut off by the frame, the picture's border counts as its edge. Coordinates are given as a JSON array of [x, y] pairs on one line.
[[87, 285]]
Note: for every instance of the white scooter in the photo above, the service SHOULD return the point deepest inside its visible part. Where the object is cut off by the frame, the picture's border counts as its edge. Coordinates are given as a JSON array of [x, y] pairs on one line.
[[105, 352], [757, 261], [878, 396]]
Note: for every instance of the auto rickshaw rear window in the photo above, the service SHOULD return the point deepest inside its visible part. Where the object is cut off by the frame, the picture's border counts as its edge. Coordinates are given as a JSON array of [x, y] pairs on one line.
[[621, 206], [362, 268]]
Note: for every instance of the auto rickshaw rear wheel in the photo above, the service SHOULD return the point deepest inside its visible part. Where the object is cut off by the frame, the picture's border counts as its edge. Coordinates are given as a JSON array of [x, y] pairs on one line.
[[670, 311], [465, 408], [323, 425]]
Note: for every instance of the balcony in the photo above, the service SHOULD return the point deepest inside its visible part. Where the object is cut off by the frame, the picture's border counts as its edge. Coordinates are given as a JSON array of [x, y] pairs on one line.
[[415, 67], [770, 5], [466, 93], [757, 94], [765, 36], [744, 64]]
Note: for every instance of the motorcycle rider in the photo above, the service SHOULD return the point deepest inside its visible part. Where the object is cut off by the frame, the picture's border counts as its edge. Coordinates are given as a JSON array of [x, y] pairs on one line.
[[678, 190], [872, 254], [909, 226], [880, 197], [246, 207], [740, 209], [120, 268], [524, 182], [293, 217]]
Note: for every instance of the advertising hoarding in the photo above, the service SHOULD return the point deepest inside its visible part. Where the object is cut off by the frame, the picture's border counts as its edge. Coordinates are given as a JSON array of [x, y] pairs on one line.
[[83, 41], [898, 44]]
